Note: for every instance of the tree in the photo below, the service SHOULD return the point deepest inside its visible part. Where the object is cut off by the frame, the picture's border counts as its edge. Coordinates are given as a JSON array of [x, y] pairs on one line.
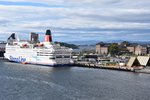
[[114, 49], [73, 46], [125, 43]]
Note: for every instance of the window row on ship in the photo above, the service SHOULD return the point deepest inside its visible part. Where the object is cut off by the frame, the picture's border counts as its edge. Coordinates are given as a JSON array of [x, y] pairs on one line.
[[62, 56]]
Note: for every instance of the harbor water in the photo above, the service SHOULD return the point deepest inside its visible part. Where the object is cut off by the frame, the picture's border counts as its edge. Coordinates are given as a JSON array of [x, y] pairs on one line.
[[34, 82]]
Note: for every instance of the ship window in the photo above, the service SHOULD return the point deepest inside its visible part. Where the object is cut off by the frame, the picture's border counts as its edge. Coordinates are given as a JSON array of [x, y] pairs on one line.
[[66, 56], [51, 57], [58, 56]]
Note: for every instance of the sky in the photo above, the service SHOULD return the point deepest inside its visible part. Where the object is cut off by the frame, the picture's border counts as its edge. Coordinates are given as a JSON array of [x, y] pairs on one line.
[[77, 20]]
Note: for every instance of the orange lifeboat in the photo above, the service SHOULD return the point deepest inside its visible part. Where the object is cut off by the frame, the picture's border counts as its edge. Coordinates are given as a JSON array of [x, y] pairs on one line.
[[24, 45], [24, 62]]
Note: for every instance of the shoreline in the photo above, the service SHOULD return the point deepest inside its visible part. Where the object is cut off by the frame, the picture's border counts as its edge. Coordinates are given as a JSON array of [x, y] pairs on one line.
[[145, 70], [104, 67]]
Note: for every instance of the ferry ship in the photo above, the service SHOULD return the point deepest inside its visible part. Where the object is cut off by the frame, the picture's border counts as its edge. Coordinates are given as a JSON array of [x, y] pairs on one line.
[[35, 52]]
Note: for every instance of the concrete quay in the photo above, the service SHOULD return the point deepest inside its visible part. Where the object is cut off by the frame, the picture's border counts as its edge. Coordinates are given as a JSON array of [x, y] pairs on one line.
[[93, 65]]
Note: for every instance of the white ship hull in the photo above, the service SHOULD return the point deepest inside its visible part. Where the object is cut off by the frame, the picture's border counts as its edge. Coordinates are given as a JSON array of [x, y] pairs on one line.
[[50, 56], [34, 52]]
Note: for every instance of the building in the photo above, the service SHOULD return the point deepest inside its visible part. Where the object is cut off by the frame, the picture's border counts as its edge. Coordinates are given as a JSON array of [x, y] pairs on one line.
[[131, 49], [124, 43], [144, 60], [133, 62], [140, 50], [101, 48], [90, 58], [148, 49], [34, 37], [103, 60], [140, 61]]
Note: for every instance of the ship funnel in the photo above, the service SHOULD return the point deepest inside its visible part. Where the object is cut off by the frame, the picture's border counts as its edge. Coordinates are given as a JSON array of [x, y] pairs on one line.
[[48, 37], [34, 38], [12, 37]]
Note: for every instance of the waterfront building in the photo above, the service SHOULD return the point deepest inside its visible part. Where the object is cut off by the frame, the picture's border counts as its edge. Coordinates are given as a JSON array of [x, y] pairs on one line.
[[140, 50], [118, 60], [103, 60], [90, 58], [144, 60], [140, 61], [133, 62], [124, 48], [101, 48], [148, 49], [131, 49]]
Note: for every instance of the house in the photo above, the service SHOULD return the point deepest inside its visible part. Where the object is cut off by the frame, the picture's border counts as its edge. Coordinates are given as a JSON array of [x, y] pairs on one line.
[[148, 49], [131, 49], [141, 50], [102, 48]]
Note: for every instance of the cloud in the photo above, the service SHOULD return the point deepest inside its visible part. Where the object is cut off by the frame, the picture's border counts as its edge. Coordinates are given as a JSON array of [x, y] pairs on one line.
[[98, 19]]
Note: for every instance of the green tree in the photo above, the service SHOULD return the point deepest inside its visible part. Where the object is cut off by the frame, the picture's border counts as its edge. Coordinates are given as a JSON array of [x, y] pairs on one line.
[[125, 43], [73, 46], [114, 49]]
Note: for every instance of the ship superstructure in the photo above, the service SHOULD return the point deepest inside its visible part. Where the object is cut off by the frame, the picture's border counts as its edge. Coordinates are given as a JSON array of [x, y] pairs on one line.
[[35, 52]]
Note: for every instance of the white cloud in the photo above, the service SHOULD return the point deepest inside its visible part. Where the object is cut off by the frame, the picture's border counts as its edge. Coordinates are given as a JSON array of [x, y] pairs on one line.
[[75, 14]]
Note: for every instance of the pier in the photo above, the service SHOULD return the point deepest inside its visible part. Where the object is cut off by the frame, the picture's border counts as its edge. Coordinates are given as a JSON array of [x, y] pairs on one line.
[[94, 65]]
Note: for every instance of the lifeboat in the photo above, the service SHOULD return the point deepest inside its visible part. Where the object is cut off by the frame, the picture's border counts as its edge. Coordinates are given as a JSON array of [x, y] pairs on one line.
[[24, 45], [24, 62]]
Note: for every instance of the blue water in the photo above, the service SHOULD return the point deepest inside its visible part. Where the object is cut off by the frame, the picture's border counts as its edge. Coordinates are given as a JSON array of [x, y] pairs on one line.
[[34, 82]]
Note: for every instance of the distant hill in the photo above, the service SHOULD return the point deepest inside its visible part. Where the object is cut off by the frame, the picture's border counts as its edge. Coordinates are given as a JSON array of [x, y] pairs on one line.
[[93, 42], [73, 46]]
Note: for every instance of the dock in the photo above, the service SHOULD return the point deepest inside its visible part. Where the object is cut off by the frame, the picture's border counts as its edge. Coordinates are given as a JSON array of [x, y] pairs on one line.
[[94, 65]]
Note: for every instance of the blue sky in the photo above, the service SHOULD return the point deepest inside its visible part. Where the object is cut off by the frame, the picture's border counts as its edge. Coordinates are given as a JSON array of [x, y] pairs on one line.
[[77, 20]]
